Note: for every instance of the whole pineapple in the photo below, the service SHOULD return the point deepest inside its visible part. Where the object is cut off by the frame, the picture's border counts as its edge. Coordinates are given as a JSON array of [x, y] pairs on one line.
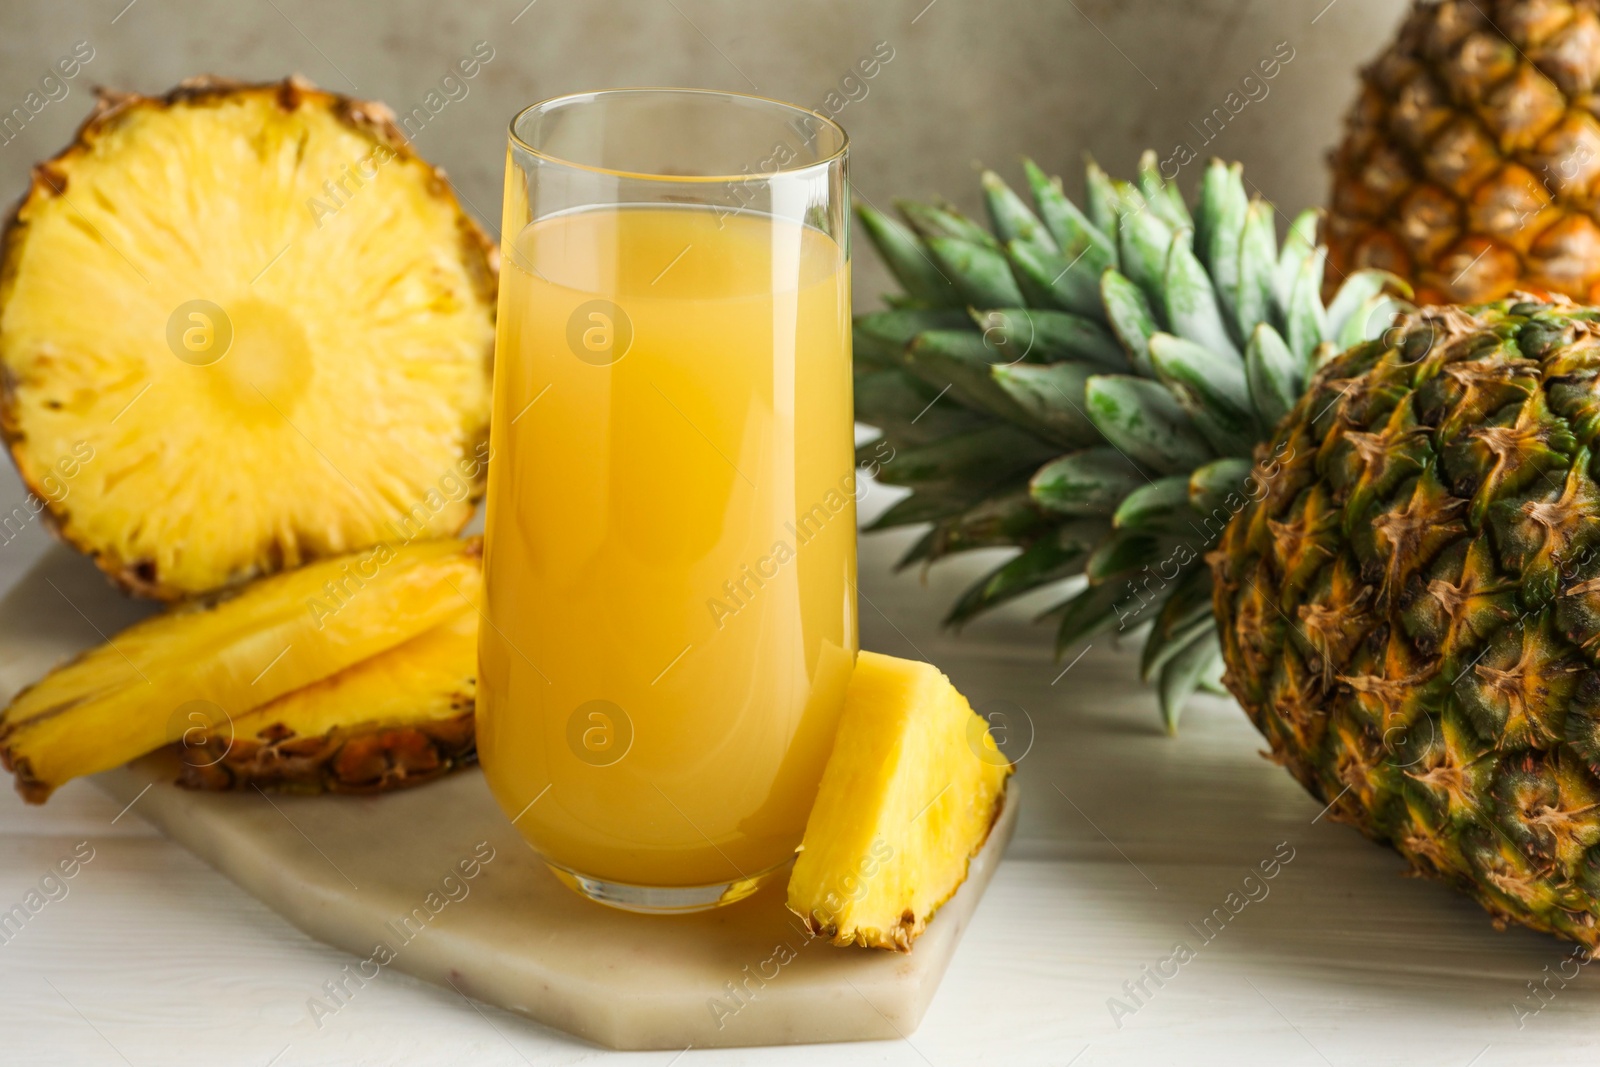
[[1411, 610], [1088, 385], [1471, 159]]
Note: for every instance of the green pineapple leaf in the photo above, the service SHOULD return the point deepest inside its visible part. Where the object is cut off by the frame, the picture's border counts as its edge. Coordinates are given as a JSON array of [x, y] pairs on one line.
[[881, 337], [1045, 336], [1184, 673], [1105, 203], [965, 464], [910, 410], [1211, 387], [1155, 506], [1009, 518], [1142, 243], [1123, 551], [982, 276], [1088, 482], [1043, 563], [1300, 243], [1091, 612], [1191, 302], [1186, 612], [964, 363], [1307, 322], [928, 504], [1257, 256], [1141, 419], [907, 260], [1211, 485], [1132, 319], [1162, 196], [942, 223], [1053, 397], [1358, 291], [1013, 220], [1048, 280], [1374, 314], [1219, 226], [1275, 376], [1076, 237]]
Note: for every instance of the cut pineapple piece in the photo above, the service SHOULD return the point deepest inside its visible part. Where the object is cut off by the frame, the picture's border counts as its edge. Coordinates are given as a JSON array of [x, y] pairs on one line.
[[401, 718], [139, 691], [908, 798], [243, 327]]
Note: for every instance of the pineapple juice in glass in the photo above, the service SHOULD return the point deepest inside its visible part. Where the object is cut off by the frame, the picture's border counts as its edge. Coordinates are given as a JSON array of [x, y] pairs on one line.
[[670, 613]]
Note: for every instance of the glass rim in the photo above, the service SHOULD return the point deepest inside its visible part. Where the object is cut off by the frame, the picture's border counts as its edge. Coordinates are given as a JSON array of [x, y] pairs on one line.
[[589, 96]]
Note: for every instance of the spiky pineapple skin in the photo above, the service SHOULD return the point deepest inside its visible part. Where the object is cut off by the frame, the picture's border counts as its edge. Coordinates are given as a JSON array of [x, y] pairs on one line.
[[397, 719], [364, 759], [1410, 610], [1471, 158]]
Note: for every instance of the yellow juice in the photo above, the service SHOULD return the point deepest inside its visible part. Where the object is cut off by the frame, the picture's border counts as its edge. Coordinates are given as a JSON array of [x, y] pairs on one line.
[[670, 540]]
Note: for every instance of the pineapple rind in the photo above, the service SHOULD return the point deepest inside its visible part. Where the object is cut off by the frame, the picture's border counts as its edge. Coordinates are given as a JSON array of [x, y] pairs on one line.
[[220, 474], [117, 701], [904, 805], [399, 718]]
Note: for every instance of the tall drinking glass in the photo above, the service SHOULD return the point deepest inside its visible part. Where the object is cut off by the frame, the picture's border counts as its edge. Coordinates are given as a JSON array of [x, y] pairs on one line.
[[670, 544]]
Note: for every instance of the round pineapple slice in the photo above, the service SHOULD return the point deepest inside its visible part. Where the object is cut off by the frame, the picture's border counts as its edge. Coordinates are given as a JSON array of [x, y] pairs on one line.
[[243, 327]]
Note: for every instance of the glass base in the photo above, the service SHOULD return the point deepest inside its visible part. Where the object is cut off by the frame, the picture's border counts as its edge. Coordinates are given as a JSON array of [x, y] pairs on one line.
[[664, 900]]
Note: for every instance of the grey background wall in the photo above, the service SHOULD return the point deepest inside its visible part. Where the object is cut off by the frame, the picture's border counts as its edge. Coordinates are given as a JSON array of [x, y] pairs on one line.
[[971, 83]]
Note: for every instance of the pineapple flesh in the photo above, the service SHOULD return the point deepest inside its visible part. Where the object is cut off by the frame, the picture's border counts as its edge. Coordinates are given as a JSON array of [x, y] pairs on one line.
[[1411, 612], [193, 671], [1086, 386], [243, 327], [1470, 159], [913, 786]]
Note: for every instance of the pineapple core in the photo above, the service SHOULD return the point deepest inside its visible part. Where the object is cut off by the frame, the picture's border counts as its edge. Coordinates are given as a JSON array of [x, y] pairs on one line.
[[907, 799]]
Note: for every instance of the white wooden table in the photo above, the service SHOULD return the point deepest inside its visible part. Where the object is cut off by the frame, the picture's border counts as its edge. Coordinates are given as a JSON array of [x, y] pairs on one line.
[[1128, 842]]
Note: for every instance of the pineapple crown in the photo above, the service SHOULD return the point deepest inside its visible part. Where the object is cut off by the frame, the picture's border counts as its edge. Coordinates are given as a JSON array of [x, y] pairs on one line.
[[1088, 385]]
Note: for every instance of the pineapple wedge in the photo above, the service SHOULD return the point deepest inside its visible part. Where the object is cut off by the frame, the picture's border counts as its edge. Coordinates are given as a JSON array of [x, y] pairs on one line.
[[137, 692], [401, 718], [907, 799]]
